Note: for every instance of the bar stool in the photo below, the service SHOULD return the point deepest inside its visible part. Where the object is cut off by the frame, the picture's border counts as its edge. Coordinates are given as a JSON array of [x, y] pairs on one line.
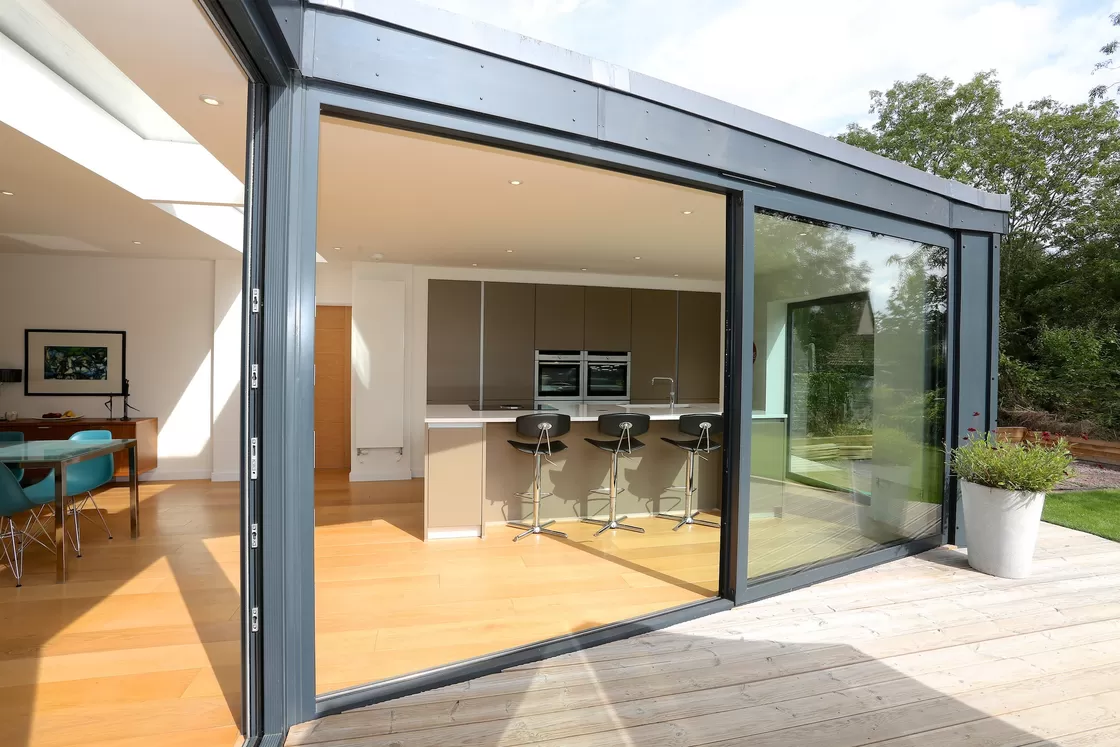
[[704, 427], [543, 427], [623, 426]]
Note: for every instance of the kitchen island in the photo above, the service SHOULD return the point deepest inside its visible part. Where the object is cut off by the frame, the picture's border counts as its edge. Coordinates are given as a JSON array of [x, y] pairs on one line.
[[472, 475]]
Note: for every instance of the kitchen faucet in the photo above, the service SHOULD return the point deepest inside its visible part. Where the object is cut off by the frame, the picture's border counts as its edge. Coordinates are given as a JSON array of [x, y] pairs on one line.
[[672, 388]]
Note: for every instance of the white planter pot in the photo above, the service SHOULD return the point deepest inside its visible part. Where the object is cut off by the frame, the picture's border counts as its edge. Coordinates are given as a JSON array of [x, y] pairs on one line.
[[1002, 528]]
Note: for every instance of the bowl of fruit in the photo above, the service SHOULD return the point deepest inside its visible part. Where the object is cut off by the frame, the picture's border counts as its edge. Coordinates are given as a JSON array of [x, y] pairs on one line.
[[68, 415]]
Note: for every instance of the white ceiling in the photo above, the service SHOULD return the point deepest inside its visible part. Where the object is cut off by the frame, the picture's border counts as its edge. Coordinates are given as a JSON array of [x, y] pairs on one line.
[[169, 49], [426, 200], [65, 205]]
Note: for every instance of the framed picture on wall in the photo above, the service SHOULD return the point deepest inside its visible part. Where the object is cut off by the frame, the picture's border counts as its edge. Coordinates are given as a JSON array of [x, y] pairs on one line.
[[73, 362]]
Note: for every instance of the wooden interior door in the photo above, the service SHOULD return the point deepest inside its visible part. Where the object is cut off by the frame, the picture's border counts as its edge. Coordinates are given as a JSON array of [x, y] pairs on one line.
[[332, 387]]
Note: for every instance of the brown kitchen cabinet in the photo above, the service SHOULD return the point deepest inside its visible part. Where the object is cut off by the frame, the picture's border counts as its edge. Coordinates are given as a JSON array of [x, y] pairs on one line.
[[559, 317], [653, 343], [508, 342], [606, 319], [698, 357], [454, 332], [144, 430]]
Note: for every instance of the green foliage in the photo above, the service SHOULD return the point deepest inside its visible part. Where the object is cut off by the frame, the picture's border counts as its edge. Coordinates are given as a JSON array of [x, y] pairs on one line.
[[1093, 511], [1034, 467], [1108, 50], [1060, 261]]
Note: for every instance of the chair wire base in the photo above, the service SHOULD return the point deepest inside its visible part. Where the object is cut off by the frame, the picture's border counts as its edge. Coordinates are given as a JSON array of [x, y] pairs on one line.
[[13, 541]]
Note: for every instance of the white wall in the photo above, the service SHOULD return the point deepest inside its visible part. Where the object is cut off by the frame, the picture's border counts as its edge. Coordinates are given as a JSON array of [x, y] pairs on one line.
[[226, 370], [169, 309]]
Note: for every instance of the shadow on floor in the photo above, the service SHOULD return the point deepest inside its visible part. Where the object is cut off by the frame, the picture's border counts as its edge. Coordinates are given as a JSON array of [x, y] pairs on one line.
[[676, 689], [47, 619]]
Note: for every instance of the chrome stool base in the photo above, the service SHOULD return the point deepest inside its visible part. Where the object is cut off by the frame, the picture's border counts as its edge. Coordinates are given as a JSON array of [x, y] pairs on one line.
[[688, 519], [538, 529], [689, 489], [613, 524]]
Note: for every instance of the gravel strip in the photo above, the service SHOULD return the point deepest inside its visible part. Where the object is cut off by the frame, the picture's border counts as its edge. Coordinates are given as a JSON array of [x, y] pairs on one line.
[[1091, 476]]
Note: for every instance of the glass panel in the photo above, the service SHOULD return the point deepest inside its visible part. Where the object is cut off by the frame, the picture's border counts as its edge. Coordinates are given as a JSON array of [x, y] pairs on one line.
[[849, 393], [34, 451], [425, 553]]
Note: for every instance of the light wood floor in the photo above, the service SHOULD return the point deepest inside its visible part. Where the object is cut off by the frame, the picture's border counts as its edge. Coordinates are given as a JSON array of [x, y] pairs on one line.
[[921, 651], [388, 603], [142, 641]]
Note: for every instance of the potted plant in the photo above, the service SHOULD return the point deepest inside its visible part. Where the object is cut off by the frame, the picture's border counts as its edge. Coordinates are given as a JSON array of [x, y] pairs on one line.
[[1003, 487]]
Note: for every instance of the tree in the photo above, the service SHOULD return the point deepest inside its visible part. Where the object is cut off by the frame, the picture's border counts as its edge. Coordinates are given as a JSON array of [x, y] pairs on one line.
[[1108, 50], [1060, 261]]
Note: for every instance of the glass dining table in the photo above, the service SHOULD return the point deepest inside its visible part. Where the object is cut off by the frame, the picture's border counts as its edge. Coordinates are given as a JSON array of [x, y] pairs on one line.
[[58, 455]]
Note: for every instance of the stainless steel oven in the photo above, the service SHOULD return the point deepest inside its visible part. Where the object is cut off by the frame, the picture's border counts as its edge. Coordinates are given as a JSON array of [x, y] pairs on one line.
[[606, 377], [558, 376]]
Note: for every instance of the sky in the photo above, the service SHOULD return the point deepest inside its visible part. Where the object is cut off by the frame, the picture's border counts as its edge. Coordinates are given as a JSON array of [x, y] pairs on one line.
[[813, 62]]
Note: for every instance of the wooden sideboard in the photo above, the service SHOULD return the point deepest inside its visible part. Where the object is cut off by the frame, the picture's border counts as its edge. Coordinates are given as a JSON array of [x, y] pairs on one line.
[[144, 430]]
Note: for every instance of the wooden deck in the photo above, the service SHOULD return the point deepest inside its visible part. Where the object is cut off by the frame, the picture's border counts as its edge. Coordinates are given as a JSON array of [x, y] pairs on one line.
[[922, 651]]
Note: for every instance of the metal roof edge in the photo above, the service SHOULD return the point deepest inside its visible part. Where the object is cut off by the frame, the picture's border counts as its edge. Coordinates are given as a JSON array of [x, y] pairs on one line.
[[464, 31]]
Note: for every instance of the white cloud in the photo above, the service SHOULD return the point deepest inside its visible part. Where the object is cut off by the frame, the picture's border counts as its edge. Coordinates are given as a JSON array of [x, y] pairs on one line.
[[812, 62]]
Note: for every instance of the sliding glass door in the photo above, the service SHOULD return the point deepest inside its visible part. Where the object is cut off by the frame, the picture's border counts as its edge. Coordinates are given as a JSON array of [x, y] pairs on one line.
[[849, 393]]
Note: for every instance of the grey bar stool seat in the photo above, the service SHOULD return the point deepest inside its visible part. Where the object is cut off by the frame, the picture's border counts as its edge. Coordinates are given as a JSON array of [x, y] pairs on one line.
[[702, 427], [623, 426], [544, 427]]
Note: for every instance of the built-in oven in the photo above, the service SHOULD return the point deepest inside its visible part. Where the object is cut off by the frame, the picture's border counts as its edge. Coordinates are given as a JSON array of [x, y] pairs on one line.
[[558, 376], [607, 377]]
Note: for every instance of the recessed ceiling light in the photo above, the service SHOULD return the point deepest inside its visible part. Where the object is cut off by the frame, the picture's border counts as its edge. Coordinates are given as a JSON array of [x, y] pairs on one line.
[[515, 182], [209, 100], [803, 234], [637, 257], [136, 242], [474, 264], [687, 212], [509, 251], [676, 275], [583, 269], [6, 193], [338, 248]]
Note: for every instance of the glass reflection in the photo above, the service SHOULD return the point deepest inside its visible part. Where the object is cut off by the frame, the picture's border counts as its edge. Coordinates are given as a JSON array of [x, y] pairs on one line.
[[849, 393]]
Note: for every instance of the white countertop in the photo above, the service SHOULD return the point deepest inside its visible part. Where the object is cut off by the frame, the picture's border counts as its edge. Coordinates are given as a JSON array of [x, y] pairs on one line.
[[463, 414]]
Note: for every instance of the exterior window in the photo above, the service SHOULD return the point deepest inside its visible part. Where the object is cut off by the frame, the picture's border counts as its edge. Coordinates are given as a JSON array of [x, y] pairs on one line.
[[848, 421]]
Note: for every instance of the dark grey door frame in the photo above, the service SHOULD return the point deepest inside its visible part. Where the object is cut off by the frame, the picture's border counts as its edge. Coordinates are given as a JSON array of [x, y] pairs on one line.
[[288, 193], [290, 272]]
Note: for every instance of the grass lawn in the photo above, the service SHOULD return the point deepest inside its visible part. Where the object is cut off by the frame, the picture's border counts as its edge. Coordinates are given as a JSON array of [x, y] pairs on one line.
[[1093, 511]]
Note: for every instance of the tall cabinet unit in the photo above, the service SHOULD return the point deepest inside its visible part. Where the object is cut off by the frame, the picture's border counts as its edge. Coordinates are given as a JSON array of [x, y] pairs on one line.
[[454, 337], [653, 343], [508, 330], [698, 337]]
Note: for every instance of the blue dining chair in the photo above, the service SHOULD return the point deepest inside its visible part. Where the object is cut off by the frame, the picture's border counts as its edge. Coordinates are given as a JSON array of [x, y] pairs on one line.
[[83, 477], [10, 438]]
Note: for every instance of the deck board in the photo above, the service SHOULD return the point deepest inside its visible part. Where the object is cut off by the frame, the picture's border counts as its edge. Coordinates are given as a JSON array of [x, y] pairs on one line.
[[919, 651]]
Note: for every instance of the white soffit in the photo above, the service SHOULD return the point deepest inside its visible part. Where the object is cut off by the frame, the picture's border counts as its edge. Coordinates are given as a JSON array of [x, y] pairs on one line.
[[61, 91], [39, 29]]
